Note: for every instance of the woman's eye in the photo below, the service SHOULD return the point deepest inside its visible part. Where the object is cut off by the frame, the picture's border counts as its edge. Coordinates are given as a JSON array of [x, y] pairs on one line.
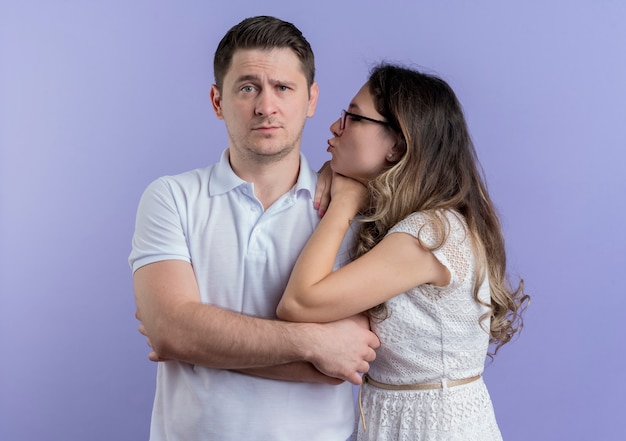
[[355, 118]]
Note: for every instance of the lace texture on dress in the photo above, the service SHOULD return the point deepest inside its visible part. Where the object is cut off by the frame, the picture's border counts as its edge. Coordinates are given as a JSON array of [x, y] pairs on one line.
[[433, 334]]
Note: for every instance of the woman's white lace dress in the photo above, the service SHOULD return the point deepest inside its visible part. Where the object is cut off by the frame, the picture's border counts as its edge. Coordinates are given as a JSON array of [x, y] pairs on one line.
[[432, 335]]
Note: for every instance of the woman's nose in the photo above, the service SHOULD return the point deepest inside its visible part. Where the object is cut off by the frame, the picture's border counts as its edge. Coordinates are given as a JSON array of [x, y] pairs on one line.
[[335, 128]]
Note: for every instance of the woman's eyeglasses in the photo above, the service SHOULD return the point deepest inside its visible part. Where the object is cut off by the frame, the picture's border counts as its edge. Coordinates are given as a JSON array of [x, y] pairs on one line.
[[345, 114]]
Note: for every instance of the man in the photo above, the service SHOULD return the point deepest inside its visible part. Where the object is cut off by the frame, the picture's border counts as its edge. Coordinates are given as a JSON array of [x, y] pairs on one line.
[[212, 253]]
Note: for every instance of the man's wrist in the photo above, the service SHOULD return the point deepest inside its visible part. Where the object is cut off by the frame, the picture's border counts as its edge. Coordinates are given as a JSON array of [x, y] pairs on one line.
[[301, 341]]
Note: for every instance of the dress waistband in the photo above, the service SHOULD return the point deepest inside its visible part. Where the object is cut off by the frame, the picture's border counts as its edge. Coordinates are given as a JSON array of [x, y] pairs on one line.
[[419, 386]]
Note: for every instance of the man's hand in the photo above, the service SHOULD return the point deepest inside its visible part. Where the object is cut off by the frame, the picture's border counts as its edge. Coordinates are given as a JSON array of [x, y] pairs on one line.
[[344, 349], [349, 193], [321, 201]]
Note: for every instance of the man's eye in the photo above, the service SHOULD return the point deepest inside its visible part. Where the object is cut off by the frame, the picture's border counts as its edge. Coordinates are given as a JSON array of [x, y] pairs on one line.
[[247, 89], [283, 88]]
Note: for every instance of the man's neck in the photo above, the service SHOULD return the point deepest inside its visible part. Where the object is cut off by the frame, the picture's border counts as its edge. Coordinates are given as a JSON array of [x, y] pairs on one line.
[[271, 179]]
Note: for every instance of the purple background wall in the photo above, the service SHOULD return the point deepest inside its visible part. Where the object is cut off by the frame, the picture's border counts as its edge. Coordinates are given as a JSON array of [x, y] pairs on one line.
[[99, 98]]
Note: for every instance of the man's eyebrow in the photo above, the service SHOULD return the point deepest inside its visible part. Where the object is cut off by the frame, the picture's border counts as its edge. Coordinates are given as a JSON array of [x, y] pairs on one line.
[[248, 78], [291, 84], [256, 78]]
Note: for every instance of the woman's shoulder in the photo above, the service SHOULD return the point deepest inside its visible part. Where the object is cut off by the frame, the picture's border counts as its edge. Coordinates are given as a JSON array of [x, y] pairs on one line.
[[419, 219], [430, 226]]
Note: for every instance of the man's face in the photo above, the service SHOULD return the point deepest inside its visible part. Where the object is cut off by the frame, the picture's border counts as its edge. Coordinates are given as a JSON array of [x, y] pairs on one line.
[[264, 102]]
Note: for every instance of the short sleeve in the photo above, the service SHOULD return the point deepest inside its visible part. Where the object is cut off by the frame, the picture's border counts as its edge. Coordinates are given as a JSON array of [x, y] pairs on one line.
[[420, 226], [159, 233], [454, 252]]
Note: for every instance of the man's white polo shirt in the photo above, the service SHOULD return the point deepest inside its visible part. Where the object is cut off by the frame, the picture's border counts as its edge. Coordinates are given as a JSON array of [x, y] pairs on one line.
[[242, 257]]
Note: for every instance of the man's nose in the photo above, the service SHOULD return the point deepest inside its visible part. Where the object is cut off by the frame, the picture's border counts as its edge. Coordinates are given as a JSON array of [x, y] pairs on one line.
[[266, 103]]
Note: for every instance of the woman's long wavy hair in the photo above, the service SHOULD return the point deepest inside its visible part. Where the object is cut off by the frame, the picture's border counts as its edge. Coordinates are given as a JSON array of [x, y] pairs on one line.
[[438, 170]]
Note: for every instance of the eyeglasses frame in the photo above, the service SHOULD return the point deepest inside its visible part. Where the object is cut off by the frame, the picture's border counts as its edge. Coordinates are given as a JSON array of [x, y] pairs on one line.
[[345, 114]]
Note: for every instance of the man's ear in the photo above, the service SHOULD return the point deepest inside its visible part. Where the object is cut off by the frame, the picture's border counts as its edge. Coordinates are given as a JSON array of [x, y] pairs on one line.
[[314, 93], [216, 101]]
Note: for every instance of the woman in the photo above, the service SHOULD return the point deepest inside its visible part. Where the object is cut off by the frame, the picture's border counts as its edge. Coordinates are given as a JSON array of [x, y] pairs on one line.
[[429, 265]]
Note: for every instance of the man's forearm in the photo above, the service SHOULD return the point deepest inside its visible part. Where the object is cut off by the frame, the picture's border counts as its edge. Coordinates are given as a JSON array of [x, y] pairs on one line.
[[213, 337], [272, 349], [180, 327], [247, 353], [297, 371]]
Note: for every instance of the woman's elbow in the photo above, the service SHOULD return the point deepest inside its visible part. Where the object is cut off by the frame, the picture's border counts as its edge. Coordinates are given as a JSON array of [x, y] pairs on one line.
[[291, 311]]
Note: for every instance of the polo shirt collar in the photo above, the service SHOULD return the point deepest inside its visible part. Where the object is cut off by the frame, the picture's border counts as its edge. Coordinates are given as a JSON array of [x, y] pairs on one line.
[[224, 178]]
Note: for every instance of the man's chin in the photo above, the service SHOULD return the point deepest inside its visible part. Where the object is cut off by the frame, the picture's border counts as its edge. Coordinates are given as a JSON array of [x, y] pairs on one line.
[[272, 154]]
